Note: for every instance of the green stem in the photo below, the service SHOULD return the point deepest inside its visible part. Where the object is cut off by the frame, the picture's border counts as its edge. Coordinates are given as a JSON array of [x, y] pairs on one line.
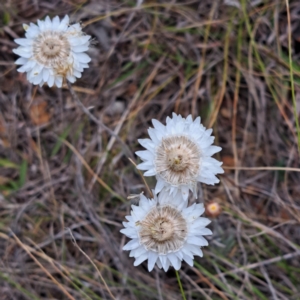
[[180, 285]]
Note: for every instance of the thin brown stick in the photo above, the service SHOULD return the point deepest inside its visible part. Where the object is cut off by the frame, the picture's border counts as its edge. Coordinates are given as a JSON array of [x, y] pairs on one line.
[[263, 168]]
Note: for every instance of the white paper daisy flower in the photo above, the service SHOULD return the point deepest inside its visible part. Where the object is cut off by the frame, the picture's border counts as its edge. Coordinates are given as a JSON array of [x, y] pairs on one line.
[[53, 50], [165, 231], [179, 155]]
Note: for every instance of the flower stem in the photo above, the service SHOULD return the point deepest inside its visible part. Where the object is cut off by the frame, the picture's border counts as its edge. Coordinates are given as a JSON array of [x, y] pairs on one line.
[[180, 285]]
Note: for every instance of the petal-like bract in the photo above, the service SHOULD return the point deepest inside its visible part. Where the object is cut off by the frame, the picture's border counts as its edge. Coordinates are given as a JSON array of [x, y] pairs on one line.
[[179, 155], [165, 231], [53, 50]]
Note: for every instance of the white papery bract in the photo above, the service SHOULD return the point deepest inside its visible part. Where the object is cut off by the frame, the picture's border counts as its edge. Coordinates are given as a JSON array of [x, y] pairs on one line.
[[179, 155], [53, 50], [165, 231]]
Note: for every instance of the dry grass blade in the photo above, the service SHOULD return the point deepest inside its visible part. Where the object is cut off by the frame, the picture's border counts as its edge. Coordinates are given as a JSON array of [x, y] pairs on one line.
[[99, 273], [91, 171], [264, 262], [94, 119], [296, 114], [24, 247]]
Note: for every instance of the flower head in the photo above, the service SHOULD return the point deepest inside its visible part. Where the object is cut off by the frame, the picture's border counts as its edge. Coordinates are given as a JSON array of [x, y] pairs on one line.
[[179, 155], [213, 209], [165, 231], [53, 50]]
